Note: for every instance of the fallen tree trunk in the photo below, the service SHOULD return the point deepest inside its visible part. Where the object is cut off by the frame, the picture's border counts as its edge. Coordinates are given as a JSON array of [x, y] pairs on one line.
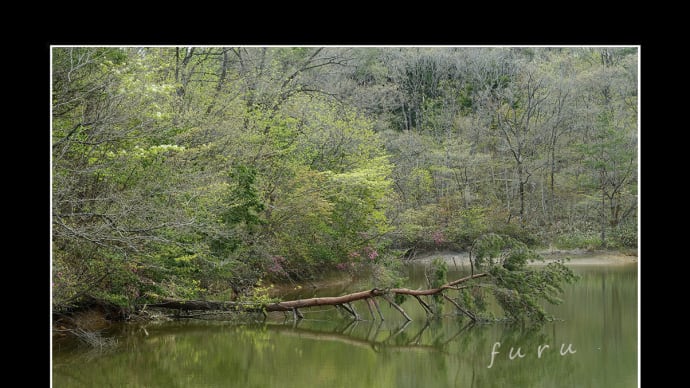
[[293, 305]]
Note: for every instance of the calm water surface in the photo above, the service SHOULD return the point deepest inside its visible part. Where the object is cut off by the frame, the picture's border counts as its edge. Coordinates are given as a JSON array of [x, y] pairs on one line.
[[599, 321]]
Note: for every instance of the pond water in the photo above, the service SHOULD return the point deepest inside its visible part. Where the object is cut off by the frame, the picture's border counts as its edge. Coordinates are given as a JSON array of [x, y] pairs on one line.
[[598, 320]]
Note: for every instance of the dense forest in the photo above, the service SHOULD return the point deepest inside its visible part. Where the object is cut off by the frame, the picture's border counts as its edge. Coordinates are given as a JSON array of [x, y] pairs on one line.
[[190, 172]]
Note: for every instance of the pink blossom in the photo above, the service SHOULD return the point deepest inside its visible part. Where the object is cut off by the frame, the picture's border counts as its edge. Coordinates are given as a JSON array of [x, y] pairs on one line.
[[276, 266], [438, 237]]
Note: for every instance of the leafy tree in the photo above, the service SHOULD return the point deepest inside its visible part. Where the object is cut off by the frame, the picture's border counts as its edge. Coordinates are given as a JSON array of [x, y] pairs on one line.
[[196, 171]]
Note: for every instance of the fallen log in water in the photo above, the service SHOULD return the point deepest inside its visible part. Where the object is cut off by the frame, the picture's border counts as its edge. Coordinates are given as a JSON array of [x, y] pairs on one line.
[[343, 301]]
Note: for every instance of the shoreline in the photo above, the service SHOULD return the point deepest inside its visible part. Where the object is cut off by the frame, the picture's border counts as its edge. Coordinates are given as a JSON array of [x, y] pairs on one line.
[[94, 319], [575, 256]]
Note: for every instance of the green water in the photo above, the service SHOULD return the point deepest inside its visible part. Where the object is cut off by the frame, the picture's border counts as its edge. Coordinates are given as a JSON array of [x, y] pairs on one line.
[[326, 349]]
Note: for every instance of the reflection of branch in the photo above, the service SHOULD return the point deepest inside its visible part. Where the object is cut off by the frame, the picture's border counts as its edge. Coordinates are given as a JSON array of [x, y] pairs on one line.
[[416, 338], [388, 343], [349, 340], [402, 328], [371, 327], [350, 328], [467, 326]]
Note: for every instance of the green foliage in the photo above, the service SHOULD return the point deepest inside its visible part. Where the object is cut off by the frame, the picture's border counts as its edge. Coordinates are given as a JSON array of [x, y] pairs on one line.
[[390, 273], [187, 171], [519, 292], [243, 201], [578, 239], [475, 300], [437, 278], [468, 224], [517, 288], [258, 297], [493, 249], [301, 220], [625, 236]]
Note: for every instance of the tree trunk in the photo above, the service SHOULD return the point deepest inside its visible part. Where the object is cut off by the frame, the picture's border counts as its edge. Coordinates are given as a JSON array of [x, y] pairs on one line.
[[522, 195], [603, 211], [552, 190], [294, 305]]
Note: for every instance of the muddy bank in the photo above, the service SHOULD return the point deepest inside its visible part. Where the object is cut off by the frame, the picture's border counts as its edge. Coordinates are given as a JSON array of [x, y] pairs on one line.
[[576, 256]]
